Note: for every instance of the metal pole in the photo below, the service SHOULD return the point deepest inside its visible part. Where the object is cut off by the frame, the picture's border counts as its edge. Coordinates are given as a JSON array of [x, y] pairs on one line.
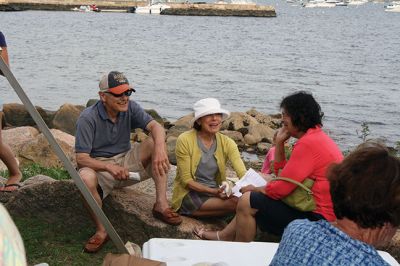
[[61, 155]]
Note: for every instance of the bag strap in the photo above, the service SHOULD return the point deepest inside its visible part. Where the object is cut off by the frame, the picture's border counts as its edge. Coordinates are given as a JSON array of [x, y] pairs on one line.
[[294, 182]]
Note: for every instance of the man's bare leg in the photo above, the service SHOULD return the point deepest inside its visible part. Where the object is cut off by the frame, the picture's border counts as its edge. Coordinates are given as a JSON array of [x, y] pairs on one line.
[[161, 209], [89, 177], [146, 148]]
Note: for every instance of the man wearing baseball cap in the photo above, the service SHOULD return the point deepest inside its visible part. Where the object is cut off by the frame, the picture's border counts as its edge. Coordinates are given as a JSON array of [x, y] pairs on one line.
[[105, 155]]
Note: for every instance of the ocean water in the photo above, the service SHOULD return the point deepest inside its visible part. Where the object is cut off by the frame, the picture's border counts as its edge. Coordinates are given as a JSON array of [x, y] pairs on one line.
[[348, 57]]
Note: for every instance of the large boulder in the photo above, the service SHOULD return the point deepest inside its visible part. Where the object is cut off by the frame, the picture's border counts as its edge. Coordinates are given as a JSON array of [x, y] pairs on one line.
[[258, 133], [128, 209], [184, 122], [171, 144], [273, 121], [17, 137], [65, 118], [238, 120], [235, 135], [39, 150], [17, 116]]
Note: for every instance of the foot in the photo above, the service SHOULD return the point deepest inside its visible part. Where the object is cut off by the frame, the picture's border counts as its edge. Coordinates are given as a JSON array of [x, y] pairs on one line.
[[202, 233], [96, 242], [167, 216], [12, 183]]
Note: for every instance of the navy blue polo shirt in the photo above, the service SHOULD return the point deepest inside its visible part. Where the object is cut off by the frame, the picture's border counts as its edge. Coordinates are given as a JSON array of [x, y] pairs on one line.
[[2, 40], [98, 136]]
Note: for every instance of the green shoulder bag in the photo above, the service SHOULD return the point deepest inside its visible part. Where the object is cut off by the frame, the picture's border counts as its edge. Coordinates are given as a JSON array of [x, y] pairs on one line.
[[302, 197]]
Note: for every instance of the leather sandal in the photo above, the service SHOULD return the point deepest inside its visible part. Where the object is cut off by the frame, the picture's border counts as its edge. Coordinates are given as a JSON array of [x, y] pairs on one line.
[[167, 216], [95, 243], [199, 232]]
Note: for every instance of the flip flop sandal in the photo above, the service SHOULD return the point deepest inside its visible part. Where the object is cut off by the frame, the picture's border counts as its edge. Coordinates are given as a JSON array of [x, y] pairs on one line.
[[167, 216], [17, 186], [199, 232], [95, 243]]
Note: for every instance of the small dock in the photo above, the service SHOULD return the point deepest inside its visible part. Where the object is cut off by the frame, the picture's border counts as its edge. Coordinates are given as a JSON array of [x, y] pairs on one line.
[[219, 9]]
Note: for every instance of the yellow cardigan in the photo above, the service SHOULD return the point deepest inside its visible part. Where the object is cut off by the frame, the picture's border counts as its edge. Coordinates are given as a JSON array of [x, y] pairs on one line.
[[188, 155]]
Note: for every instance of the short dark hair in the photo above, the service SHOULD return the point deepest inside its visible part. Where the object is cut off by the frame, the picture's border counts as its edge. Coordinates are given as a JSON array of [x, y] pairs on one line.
[[365, 187], [196, 126], [303, 110]]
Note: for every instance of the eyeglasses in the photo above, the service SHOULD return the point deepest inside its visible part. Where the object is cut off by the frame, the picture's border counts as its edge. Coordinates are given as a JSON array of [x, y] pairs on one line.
[[126, 93]]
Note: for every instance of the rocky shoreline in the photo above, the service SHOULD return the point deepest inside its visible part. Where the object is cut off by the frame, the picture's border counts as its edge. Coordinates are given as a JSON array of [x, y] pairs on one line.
[[252, 131], [42, 196]]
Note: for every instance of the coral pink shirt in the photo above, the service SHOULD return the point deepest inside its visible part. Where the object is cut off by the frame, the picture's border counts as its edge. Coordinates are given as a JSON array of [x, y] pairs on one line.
[[266, 167], [312, 154]]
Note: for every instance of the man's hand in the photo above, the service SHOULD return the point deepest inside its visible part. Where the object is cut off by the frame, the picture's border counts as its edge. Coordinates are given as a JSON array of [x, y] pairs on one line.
[[118, 172], [160, 161]]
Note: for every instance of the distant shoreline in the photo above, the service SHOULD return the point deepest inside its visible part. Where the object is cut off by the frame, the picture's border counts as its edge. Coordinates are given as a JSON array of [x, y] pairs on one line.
[[15, 5]]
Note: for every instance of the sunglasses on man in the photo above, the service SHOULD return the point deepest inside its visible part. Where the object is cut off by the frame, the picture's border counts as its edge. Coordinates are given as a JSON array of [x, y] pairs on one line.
[[126, 93]]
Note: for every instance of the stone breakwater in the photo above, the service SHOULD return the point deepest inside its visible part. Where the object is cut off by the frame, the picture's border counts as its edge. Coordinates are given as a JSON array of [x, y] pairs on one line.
[[252, 131], [219, 9], [185, 9], [16, 5]]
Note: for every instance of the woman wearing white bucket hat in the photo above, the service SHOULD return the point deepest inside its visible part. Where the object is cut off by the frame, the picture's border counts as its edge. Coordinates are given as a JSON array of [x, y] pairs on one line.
[[202, 154]]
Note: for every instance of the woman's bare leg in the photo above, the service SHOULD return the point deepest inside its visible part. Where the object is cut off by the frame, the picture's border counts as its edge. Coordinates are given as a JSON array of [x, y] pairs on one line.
[[216, 207], [245, 220]]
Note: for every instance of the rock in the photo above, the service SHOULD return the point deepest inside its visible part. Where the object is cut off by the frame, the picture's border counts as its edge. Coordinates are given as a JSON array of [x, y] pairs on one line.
[[184, 122], [39, 151], [17, 137], [259, 132], [17, 116], [236, 136], [65, 118], [155, 115], [138, 135], [250, 139], [128, 209], [238, 120], [91, 102], [177, 130], [263, 147], [171, 143]]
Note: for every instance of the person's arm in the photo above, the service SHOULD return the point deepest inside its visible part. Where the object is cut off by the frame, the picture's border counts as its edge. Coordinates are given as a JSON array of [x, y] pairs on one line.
[[196, 186], [4, 54], [280, 159], [300, 166], [118, 172], [183, 152], [234, 157], [84, 137], [160, 158]]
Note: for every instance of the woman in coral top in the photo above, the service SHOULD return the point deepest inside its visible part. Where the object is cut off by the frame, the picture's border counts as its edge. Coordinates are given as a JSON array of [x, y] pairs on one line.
[[311, 156]]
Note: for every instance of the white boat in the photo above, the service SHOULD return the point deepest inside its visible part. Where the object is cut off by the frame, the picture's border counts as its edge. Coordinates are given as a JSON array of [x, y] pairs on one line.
[[86, 8], [151, 9], [393, 7], [357, 2], [319, 3], [341, 3]]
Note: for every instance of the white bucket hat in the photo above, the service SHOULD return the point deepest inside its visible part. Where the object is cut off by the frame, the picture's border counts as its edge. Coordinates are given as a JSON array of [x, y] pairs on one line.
[[208, 106]]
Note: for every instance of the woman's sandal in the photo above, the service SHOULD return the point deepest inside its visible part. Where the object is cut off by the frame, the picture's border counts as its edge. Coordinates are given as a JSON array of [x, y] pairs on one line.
[[199, 232]]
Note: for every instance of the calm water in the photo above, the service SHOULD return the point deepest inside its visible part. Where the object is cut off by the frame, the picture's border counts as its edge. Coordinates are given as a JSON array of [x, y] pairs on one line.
[[349, 58]]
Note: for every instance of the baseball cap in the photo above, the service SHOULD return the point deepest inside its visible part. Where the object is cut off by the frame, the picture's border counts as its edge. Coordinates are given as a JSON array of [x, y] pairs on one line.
[[114, 82]]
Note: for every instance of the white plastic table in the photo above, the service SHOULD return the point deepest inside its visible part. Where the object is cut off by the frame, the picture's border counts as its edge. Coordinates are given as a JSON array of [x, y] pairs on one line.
[[185, 252]]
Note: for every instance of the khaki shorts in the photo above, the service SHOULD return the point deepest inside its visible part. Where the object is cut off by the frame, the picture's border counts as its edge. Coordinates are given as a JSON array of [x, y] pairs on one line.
[[129, 160]]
